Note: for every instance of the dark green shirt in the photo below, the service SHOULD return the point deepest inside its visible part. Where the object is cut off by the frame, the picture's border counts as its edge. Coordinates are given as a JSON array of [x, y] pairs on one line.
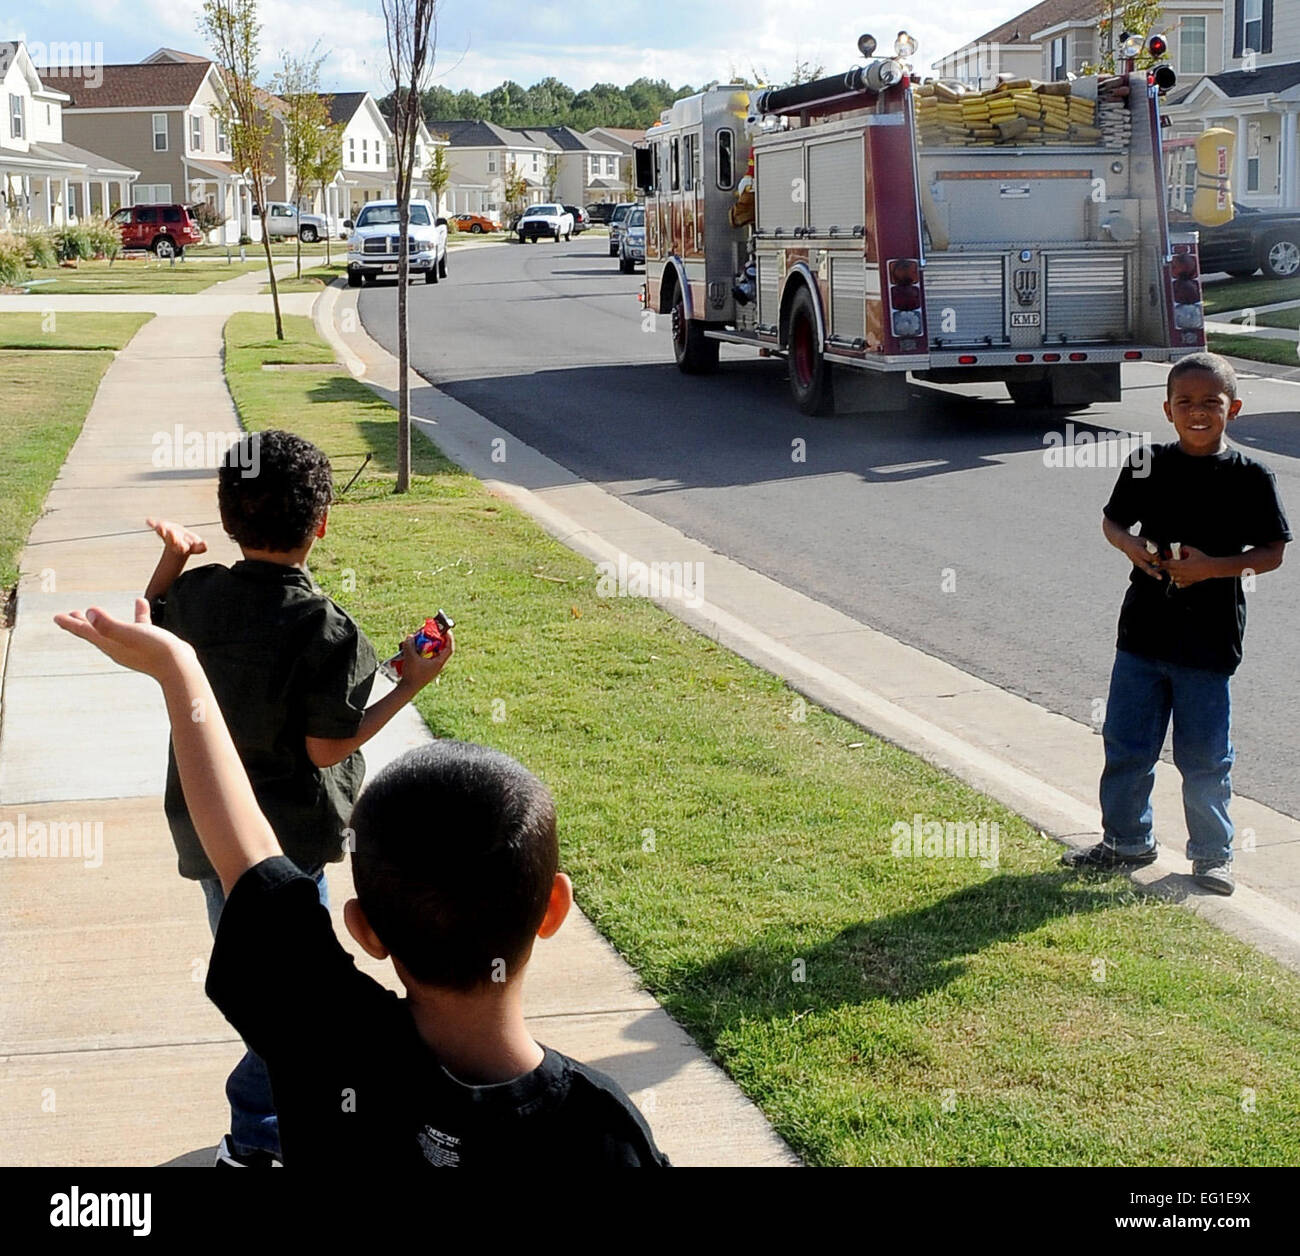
[[285, 663]]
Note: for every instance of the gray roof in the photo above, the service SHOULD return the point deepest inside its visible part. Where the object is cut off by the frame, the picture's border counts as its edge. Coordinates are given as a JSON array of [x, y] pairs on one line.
[[470, 134], [1269, 80], [343, 104], [79, 157]]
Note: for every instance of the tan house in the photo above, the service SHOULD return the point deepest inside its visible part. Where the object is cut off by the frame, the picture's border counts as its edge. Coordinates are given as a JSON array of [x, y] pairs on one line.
[[161, 117], [44, 179], [556, 163]]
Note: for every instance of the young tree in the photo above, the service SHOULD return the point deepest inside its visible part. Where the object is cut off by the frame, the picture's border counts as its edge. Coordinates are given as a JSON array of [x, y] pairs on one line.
[[412, 32], [1138, 17], [233, 32], [325, 162], [306, 115], [552, 174], [515, 189], [438, 171]]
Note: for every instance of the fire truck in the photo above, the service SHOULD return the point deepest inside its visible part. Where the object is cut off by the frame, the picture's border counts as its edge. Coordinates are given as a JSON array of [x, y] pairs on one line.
[[868, 225]]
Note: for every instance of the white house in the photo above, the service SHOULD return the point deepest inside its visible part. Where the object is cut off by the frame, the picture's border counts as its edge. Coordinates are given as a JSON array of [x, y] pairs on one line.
[[43, 178], [1256, 93]]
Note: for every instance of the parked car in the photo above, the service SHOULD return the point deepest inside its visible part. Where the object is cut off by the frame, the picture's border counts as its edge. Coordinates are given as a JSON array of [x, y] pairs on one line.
[[616, 223], [553, 221], [1254, 239], [475, 224], [581, 219], [374, 248], [631, 241], [284, 221], [165, 230], [600, 212]]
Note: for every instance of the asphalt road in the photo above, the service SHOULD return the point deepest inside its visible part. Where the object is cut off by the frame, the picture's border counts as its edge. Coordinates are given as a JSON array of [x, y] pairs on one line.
[[942, 526]]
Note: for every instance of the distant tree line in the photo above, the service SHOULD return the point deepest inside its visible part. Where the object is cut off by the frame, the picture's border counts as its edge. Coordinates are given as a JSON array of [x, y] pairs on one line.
[[552, 103]]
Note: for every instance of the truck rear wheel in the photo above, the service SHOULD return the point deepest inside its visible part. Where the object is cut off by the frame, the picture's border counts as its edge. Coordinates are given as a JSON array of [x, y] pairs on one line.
[[1282, 256], [810, 373], [696, 354]]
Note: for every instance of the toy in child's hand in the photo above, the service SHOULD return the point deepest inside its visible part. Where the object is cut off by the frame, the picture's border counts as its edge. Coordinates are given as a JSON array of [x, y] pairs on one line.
[[429, 642]]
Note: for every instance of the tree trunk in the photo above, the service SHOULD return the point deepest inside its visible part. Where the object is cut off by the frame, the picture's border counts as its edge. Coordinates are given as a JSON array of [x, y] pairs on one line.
[[403, 362], [270, 270]]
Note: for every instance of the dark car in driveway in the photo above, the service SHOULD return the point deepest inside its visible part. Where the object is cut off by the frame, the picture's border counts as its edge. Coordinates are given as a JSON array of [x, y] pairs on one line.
[[581, 219], [1267, 239]]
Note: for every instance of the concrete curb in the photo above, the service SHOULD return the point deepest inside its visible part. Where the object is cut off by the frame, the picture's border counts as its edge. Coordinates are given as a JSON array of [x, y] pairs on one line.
[[466, 437]]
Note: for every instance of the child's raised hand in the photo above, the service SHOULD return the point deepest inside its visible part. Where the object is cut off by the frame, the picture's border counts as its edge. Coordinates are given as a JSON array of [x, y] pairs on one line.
[[178, 540], [418, 671], [139, 645]]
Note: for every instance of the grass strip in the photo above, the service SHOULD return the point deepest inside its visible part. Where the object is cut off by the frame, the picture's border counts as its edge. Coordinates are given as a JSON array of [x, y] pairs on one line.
[[139, 273], [735, 843], [46, 397], [1245, 294], [1255, 348]]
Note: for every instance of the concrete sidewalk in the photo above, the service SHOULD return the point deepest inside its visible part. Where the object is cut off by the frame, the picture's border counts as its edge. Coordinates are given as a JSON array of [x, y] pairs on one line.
[[112, 1054], [1041, 765]]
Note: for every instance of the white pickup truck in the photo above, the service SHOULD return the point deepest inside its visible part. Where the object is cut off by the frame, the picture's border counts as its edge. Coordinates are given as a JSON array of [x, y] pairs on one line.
[[373, 246], [545, 220]]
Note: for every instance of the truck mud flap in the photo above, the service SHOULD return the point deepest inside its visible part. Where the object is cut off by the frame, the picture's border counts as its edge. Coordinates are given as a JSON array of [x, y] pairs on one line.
[[857, 391], [1085, 384]]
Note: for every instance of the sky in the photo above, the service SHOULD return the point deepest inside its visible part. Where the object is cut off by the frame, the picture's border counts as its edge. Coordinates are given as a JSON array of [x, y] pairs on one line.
[[483, 42]]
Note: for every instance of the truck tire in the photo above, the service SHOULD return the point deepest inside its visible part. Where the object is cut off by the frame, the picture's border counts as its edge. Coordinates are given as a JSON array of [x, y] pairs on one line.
[[696, 354], [354, 279], [1282, 255], [431, 275], [442, 264], [810, 373], [308, 235], [625, 266]]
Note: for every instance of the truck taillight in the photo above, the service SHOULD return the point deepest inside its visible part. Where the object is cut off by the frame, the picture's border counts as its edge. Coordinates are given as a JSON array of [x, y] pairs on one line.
[[1185, 279], [905, 299]]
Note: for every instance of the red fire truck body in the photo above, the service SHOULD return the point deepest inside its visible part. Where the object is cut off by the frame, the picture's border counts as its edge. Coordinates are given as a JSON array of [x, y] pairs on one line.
[[865, 254]]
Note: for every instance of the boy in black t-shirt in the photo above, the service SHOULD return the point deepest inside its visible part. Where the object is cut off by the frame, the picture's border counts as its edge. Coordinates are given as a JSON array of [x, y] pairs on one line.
[[1209, 515], [456, 874], [292, 673]]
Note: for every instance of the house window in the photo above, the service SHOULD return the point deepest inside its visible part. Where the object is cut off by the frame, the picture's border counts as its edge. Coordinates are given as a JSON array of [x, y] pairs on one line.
[[16, 128], [1253, 24], [151, 194], [1058, 66], [223, 140], [1191, 46], [352, 151], [1252, 156], [537, 162], [492, 163], [196, 134], [160, 133]]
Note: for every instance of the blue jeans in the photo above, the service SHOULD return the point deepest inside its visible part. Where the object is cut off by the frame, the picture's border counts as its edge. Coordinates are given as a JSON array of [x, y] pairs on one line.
[[1143, 694], [253, 1123]]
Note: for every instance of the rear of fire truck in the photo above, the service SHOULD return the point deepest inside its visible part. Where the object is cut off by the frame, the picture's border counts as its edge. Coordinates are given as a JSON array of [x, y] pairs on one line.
[[887, 226]]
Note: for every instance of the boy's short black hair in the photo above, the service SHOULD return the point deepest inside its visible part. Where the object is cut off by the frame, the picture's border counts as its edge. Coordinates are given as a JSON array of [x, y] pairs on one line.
[[273, 489], [454, 859], [1211, 364]]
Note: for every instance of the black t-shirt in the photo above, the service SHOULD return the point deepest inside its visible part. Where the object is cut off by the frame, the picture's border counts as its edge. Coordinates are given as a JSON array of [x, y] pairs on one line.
[[285, 663], [1220, 504], [353, 1081]]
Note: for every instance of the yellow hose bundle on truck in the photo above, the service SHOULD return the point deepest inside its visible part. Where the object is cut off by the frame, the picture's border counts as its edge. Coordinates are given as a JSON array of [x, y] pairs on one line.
[[1213, 205]]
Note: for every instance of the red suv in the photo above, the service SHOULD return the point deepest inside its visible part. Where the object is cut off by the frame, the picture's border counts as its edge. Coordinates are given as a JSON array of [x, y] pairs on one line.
[[163, 229]]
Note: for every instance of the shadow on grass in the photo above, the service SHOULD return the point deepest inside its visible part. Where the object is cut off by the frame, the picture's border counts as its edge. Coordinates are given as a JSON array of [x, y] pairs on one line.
[[899, 957]]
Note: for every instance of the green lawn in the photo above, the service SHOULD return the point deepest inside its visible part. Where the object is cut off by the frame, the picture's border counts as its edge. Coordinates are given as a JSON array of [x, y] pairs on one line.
[[1244, 294], [314, 278], [46, 397], [69, 330], [1256, 348], [730, 841], [140, 273], [1280, 318]]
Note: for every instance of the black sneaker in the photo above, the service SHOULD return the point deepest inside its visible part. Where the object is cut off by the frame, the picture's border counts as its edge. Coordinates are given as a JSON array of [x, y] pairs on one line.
[[1103, 858], [228, 1158], [1214, 875]]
